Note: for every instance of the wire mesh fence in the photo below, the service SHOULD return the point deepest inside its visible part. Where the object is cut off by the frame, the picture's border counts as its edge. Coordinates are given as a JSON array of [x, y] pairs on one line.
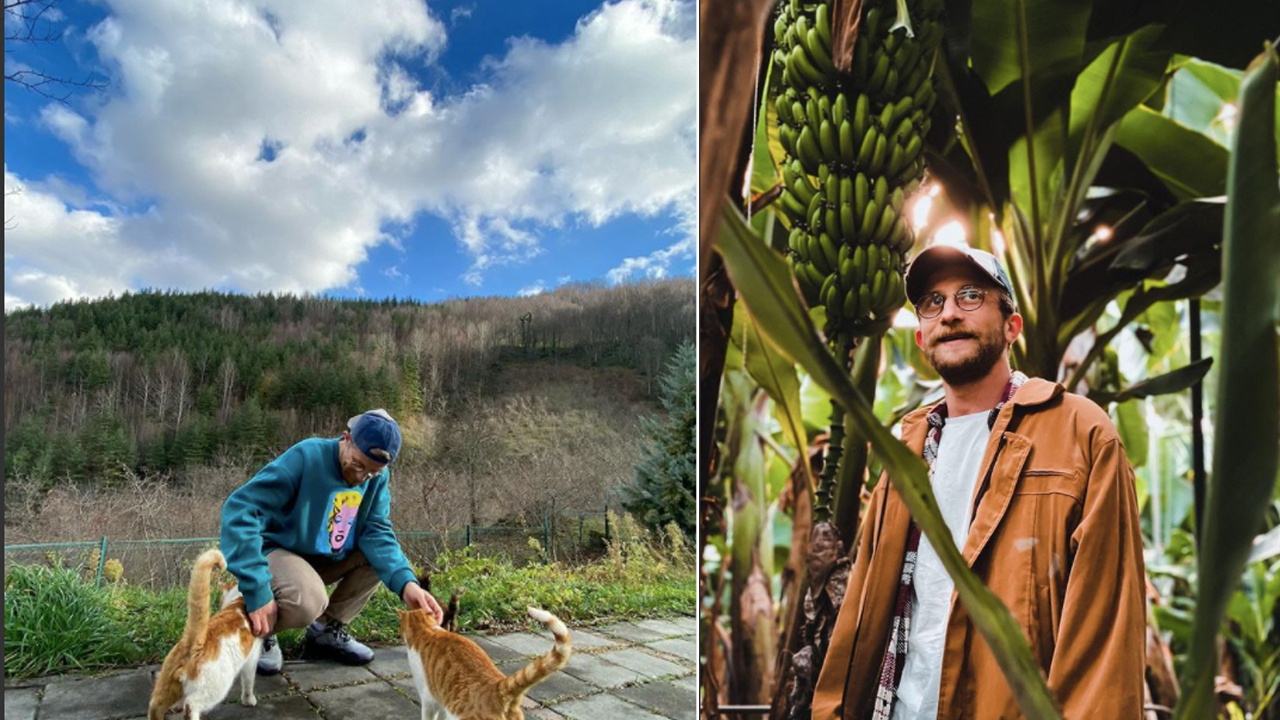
[[159, 564]]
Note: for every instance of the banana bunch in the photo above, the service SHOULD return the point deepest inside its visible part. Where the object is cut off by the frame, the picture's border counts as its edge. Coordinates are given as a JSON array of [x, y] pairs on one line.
[[853, 147]]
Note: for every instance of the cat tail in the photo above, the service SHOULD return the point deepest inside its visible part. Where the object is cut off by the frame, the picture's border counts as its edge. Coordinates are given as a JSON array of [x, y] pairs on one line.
[[209, 562], [451, 612], [538, 670]]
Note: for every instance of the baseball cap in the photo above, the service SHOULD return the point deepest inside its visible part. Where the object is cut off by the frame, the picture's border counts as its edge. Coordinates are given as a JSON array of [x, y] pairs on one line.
[[936, 257], [376, 434]]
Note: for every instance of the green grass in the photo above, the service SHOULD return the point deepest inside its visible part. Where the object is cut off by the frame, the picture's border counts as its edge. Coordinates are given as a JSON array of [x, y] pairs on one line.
[[55, 622]]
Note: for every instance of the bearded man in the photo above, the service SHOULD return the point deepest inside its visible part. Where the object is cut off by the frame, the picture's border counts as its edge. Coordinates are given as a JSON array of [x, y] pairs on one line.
[[1034, 486]]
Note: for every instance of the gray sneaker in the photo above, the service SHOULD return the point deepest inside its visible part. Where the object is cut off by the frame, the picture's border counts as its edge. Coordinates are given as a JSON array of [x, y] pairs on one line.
[[270, 661], [332, 641]]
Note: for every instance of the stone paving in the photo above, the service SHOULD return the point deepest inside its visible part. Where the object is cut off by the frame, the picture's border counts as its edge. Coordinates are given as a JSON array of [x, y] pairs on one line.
[[643, 670]]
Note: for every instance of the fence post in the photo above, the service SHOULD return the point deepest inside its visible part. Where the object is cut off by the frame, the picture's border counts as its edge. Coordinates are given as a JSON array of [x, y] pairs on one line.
[[607, 537], [468, 534], [102, 561], [546, 536]]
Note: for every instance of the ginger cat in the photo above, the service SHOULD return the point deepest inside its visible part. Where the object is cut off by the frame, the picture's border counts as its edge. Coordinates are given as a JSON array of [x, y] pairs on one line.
[[199, 670], [457, 681]]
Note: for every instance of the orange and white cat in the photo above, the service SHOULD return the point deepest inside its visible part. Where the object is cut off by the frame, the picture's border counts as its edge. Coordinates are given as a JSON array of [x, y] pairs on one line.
[[457, 681], [199, 670]]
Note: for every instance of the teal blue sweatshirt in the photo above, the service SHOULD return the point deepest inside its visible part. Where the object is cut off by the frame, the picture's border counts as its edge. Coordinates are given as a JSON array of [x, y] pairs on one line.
[[300, 502]]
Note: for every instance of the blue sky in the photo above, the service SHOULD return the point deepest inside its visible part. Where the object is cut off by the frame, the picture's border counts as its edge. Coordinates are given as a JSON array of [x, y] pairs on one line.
[[424, 150]]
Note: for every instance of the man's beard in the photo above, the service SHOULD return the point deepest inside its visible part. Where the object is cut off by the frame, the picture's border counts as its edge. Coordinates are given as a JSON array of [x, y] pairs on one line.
[[972, 367]]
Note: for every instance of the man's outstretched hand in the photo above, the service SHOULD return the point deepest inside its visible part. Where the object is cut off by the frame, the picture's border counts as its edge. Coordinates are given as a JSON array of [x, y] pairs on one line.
[[415, 598], [263, 620]]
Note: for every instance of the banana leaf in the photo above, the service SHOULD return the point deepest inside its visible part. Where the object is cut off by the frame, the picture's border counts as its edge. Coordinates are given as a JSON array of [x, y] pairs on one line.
[[766, 287], [1246, 448], [1170, 382], [1190, 164]]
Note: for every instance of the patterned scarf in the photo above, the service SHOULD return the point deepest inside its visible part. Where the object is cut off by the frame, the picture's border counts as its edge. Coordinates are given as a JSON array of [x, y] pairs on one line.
[[896, 652]]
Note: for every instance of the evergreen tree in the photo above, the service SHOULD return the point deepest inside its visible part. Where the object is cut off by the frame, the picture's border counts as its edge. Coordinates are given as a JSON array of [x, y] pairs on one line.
[[664, 487]]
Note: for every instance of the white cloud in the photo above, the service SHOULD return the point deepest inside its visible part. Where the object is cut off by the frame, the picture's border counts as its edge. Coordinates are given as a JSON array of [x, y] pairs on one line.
[[655, 265], [597, 127], [537, 288], [460, 13]]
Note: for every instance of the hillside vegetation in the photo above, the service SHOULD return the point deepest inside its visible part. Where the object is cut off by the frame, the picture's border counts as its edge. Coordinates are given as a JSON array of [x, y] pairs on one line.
[[134, 416]]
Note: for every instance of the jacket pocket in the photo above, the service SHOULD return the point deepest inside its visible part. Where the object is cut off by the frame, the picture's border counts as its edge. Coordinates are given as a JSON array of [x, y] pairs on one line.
[[1046, 481]]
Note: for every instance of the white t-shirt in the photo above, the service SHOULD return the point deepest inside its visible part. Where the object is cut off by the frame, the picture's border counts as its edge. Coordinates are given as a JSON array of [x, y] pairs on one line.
[[955, 472]]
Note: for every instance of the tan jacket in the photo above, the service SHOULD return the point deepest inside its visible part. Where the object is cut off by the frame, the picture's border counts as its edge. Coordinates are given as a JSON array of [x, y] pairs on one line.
[[1054, 534]]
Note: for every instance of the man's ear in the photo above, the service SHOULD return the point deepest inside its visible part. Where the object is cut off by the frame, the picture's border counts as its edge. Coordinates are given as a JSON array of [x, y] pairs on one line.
[[1012, 328], [919, 339]]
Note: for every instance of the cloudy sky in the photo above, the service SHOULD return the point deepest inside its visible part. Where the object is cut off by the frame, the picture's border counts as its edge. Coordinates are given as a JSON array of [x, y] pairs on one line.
[[388, 147]]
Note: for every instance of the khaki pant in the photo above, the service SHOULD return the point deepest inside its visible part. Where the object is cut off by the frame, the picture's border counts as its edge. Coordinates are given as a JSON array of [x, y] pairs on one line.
[[298, 583]]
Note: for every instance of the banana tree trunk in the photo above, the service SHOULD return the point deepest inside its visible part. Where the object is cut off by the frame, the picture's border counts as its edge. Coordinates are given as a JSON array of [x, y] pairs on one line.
[[751, 616]]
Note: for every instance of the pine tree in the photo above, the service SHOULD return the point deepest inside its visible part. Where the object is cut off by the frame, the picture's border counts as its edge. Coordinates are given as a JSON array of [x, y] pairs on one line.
[[664, 487]]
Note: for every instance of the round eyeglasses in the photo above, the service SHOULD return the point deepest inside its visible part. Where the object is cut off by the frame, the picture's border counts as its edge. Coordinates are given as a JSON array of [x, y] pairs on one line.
[[968, 299]]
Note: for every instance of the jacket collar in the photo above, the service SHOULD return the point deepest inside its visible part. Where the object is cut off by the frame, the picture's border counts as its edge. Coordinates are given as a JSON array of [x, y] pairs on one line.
[[1034, 392]]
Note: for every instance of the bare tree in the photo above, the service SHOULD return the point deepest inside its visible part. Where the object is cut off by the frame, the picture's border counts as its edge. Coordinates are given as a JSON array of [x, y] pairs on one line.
[[34, 21]]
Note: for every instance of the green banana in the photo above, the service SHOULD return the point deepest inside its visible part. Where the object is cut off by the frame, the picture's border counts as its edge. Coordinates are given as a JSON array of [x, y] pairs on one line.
[[808, 151], [890, 86], [847, 154], [879, 75], [880, 155], [813, 116], [795, 241], [864, 297], [801, 189], [873, 262], [885, 118], [867, 150], [861, 61], [859, 265], [851, 309], [877, 290], [882, 190], [791, 205], [807, 286], [821, 56], [802, 26], [885, 224], [814, 212], [829, 252], [783, 109], [901, 107], [870, 215], [861, 113], [871, 23], [914, 146], [840, 108], [825, 290], [822, 23], [897, 158], [861, 190], [827, 140], [901, 131], [800, 62]]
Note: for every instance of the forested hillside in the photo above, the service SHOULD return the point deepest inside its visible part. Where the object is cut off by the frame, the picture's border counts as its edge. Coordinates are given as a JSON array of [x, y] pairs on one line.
[[173, 388]]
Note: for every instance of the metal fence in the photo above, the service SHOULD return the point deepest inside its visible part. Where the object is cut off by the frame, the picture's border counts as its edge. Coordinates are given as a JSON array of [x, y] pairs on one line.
[[165, 563]]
